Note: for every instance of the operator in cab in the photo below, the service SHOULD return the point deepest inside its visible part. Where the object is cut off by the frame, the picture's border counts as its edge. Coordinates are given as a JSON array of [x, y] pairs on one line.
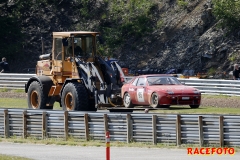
[[77, 50]]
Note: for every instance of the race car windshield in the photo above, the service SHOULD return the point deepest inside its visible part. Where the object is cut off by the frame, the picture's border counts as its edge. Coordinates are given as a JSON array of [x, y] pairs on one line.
[[163, 81]]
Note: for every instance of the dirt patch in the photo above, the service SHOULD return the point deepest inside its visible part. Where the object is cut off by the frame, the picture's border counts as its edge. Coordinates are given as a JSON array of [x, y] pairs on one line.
[[220, 101], [12, 94]]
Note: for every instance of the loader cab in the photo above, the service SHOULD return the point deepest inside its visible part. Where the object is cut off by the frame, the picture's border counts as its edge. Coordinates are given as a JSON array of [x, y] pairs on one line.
[[67, 46]]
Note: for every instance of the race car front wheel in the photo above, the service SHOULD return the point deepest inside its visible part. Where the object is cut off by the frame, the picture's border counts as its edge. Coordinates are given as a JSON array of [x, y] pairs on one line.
[[127, 101], [154, 101]]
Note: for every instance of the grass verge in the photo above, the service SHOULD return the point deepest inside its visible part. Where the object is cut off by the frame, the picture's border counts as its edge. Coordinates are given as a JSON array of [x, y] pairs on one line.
[[101, 143], [7, 157], [20, 103], [200, 110]]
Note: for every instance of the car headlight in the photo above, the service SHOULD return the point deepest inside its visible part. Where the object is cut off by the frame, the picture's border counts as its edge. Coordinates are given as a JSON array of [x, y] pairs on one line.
[[170, 92], [196, 92]]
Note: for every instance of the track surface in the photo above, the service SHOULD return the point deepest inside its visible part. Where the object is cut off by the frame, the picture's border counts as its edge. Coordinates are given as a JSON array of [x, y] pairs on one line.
[[54, 152]]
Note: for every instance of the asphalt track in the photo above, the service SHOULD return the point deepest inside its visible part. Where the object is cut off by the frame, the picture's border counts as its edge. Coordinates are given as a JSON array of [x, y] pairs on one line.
[[55, 152]]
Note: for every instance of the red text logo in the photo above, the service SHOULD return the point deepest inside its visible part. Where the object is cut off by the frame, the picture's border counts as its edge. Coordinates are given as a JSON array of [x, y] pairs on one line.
[[210, 151]]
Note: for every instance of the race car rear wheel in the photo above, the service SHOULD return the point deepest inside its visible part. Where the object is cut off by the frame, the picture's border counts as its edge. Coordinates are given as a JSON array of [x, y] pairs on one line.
[[154, 100], [127, 100], [194, 106]]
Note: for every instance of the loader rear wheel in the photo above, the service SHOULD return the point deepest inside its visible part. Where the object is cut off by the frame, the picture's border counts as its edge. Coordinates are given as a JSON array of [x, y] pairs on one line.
[[36, 98], [74, 97]]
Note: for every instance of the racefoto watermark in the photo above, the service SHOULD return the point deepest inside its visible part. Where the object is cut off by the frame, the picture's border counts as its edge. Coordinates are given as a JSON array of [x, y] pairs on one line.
[[210, 151]]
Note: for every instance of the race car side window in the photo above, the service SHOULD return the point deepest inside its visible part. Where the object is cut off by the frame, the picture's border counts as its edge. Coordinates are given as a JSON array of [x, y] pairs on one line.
[[141, 82], [135, 82]]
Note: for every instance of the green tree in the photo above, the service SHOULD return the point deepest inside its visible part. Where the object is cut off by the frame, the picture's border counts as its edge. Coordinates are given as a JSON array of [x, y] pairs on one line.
[[228, 12], [10, 37]]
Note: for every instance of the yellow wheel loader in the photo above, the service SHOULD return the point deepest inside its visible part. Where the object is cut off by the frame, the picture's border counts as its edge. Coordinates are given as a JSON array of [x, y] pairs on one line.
[[74, 75]]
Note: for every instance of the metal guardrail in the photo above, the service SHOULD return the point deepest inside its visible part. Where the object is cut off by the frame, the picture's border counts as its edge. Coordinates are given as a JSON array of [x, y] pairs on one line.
[[172, 129], [207, 86], [14, 81], [214, 86]]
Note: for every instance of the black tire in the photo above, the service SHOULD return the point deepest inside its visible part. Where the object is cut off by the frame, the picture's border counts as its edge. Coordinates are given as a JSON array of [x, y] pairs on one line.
[[194, 106], [36, 98], [74, 97], [91, 105], [127, 101], [164, 106], [121, 110], [154, 101], [49, 107]]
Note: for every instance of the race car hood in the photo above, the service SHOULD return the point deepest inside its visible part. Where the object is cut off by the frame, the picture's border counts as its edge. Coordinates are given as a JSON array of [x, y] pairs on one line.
[[175, 89]]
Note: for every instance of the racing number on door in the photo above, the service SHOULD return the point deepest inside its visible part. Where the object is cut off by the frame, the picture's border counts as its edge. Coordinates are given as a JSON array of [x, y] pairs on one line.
[[140, 95]]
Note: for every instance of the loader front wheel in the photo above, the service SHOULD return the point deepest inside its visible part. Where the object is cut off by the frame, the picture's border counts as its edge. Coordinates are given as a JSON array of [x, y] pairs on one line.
[[36, 98], [74, 97], [91, 105]]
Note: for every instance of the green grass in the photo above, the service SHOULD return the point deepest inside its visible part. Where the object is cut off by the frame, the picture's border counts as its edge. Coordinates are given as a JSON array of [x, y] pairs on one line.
[[83, 142], [4, 89], [200, 110], [13, 103], [7, 157], [100, 143], [19, 90], [20, 103]]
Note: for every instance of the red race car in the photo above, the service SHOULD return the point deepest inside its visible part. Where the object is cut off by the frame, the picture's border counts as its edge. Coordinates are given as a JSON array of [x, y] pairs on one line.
[[159, 91]]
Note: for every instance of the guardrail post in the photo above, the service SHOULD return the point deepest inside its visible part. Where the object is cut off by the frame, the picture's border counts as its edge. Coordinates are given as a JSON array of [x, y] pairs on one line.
[[154, 128], [105, 119], [6, 123], [221, 131], [44, 127], [24, 124], [129, 128], [86, 127], [200, 127], [66, 124], [178, 130]]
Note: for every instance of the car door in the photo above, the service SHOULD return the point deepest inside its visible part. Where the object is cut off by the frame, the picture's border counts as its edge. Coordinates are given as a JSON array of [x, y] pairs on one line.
[[132, 91], [140, 91]]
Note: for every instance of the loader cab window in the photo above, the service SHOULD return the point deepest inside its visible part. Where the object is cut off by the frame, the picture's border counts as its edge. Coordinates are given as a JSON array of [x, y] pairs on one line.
[[58, 49], [81, 45], [89, 46], [85, 43], [73, 47]]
